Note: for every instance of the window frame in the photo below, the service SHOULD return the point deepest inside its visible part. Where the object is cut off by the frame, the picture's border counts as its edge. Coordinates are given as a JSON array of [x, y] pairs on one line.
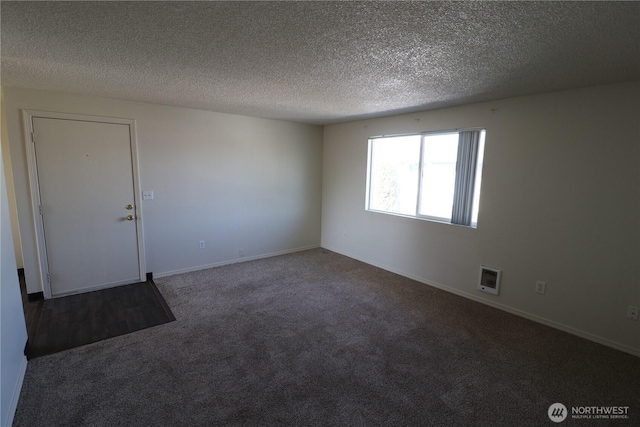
[[421, 173], [419, 195]]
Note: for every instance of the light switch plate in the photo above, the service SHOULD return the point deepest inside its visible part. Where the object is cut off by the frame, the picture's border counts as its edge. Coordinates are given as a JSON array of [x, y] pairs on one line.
[[147, 195]]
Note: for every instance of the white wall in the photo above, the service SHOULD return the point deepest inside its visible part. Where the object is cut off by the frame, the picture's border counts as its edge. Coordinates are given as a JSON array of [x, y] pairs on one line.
[[8, 172], [233, 181], [560, 203], [13, 332]]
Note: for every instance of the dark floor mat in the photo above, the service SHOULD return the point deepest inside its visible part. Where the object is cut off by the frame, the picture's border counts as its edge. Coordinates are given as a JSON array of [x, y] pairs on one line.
[[76, 320]]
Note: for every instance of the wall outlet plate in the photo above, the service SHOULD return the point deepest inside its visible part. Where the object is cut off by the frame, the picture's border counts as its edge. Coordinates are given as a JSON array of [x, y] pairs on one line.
[[632, 312], [541, 287]]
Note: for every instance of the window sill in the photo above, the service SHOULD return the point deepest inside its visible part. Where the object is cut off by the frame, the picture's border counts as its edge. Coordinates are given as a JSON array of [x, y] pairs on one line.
[[423, 218]]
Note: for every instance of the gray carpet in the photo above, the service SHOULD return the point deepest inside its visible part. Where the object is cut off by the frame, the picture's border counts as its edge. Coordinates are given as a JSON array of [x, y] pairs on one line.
[[316, 338]]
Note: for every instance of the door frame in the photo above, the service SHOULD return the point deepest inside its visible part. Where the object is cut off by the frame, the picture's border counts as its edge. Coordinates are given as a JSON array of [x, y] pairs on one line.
[[28, 116]]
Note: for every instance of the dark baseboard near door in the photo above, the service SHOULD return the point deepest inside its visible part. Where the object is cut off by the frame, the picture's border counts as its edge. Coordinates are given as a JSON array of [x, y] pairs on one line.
[[36, 296]]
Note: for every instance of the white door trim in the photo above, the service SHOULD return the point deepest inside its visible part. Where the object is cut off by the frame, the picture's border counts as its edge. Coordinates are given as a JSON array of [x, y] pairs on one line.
[[28, 116]]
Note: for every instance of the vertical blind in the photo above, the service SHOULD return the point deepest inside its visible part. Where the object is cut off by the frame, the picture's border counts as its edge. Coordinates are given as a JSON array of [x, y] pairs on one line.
[[468, 143]]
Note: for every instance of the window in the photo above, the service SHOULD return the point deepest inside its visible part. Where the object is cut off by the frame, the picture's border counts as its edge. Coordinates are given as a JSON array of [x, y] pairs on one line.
[[429, 176]]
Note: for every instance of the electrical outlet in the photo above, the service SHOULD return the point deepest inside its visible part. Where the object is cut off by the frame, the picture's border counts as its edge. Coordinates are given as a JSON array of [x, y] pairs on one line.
[[541, 287], [201, 244], [241, 252], [147, 195], [632, 312], [344, 234]]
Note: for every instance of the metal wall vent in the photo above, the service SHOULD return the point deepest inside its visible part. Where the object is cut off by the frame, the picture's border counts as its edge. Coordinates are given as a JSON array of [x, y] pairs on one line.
[[489, 280]]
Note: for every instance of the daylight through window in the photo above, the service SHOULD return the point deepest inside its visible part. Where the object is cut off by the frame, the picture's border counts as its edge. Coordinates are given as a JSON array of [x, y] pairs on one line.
[[428, 176]]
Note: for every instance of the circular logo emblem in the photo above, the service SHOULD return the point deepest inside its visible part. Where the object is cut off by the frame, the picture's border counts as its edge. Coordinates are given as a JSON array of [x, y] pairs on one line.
[[557, 412]]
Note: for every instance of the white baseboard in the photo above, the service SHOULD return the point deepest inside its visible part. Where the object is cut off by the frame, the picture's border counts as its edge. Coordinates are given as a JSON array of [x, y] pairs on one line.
[[98, 287], [8, 421], [526, 315], [234, 261]]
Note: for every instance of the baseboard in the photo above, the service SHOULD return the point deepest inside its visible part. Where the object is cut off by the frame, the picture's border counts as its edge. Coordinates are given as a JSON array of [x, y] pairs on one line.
[[36, 296], [98, 287], [556, 325], [8, 421], [234, 261]]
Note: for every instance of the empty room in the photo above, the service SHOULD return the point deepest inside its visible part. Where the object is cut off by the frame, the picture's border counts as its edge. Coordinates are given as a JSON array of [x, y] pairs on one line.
[[320, 213]]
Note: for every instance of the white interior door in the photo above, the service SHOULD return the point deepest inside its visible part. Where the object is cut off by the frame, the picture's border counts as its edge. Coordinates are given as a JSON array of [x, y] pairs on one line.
[[85, 177]]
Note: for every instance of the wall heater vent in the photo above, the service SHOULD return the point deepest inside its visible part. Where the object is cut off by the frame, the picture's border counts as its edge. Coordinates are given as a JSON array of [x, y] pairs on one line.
[[489, 280]]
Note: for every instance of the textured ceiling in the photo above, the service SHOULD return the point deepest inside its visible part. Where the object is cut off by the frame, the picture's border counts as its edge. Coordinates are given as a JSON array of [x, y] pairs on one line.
[[317, 62]]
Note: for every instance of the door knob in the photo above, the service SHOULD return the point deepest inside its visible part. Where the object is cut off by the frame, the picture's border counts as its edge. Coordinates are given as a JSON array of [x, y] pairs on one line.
[[130, 217], [128, 207]]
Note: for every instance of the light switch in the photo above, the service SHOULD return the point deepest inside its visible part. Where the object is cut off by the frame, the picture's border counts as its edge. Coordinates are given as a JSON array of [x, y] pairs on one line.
[[147, 195]]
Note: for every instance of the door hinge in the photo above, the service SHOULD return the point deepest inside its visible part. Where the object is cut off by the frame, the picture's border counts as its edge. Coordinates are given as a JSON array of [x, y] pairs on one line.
[[40, 209], [33, 137]]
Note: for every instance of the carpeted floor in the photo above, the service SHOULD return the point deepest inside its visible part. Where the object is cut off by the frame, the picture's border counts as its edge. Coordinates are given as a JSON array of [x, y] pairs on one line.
[[316, 338]]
